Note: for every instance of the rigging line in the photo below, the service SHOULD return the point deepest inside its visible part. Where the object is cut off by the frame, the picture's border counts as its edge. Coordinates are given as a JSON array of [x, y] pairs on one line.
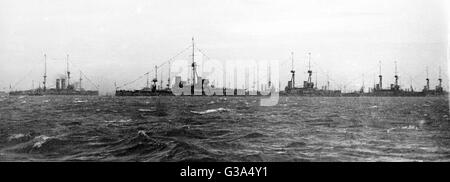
[[75, 66], [173, 57], [34, 66], [161, 65], [96, 86], [23, 78], [129, 83], [201, 51]]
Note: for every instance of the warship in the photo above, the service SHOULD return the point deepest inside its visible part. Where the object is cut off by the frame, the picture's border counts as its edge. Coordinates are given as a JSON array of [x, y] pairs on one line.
[[194, 86], [395, 90], [308, 88], [63, 85]]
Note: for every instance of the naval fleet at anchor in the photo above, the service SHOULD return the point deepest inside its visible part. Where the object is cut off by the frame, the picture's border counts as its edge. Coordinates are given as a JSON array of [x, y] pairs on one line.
[[198, 86]]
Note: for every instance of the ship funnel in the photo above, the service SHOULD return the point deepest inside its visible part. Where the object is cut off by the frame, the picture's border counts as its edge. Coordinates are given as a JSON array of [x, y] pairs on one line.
[[63, 84], [58, 84]]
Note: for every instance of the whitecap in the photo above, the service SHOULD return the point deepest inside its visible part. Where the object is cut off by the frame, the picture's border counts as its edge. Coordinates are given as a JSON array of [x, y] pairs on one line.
[[80, 101], [211, 111], [422, 122], [410, 127], [16, 136], [146, 110], [142, 132], [40, 140], [119, 121]]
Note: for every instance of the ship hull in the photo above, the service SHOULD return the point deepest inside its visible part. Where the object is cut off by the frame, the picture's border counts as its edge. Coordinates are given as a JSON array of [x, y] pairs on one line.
[[44, 93]]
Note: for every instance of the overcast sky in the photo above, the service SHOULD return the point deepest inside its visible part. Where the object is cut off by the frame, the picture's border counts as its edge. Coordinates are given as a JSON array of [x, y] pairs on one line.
[[112, 40]]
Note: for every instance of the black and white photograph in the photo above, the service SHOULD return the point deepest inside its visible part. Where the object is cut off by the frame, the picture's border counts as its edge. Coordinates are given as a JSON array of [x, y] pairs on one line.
[[196, 81]]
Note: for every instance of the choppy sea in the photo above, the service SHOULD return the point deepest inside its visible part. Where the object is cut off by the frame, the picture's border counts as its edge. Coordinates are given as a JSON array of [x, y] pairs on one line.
[[299, 129]]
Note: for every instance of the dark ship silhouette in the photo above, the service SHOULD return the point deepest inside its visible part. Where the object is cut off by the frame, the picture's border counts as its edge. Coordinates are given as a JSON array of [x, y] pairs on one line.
[[396, 91], [198, 86], [63, 86], [195, 86], [309, 88]]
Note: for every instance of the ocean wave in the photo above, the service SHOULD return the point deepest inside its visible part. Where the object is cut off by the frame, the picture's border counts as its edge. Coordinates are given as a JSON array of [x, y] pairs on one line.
[[187, 152], [185, 132], [296, 145], [20, 137], [254, 135], [77, 100], [408, 127], [119, 121], [16, 136], [211, 111], [146, 110], [137, 146], [40, 140]]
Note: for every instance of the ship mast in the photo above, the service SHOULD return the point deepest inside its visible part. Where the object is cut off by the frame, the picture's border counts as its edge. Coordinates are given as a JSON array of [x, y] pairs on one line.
[[396, 76], [155, 80], [292, 71], [328, 82], [68, 72], [381, 78], [168, 79], [193, 63], [362, 87], [148, 80], [235, 77], [309, 69], [257, 77], [440, 79], [270, 77], [45, 72], [428, 80], [81, 79], [316, 81], [161, 82]]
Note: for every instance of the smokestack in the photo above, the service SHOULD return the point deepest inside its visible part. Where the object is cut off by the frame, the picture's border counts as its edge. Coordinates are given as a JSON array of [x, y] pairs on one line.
[[381, 78], [68, 72], [428, 80], [63, 84], [293, 72], [58, 84], [440, 79], [396, 76]]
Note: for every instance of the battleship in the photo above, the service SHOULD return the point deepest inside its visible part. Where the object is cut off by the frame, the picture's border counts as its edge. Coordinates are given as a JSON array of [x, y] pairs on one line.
[[194, 86], [309, 88], [395, 90], [63, 85]]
